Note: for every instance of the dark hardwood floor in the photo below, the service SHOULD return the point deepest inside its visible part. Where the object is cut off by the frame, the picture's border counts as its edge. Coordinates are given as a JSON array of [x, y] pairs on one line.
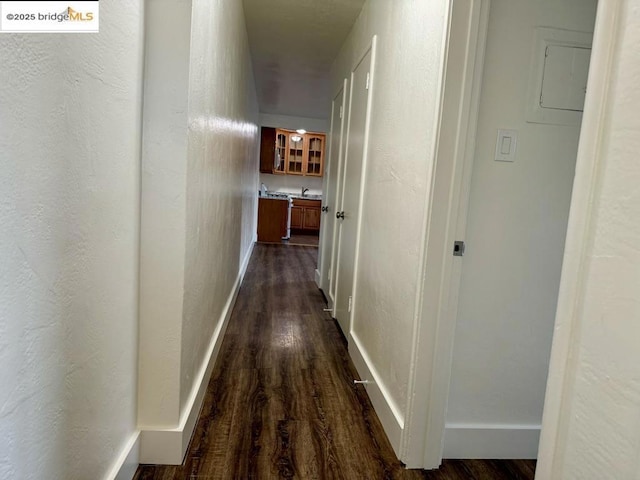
[[281, 402], [303, 239]]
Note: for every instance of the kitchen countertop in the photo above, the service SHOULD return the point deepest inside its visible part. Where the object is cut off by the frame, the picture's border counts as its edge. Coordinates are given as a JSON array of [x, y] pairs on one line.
[[285, 196]]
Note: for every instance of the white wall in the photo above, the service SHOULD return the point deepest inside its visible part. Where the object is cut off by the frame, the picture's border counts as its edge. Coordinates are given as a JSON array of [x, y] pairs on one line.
[[222, 174], [164, 182], [515, 237], [317, 125], [200, 187], [591, 416], [69, 208], [405, 98], [292, 183]]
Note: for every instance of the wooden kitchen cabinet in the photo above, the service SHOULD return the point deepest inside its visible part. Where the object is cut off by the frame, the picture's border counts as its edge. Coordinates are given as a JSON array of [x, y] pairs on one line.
[[296, 154], [305, 214], [315, 154], [272, 219], [267, 149], [279, 164], [311, 219], [273, 150], [288, 152], [296, 216]]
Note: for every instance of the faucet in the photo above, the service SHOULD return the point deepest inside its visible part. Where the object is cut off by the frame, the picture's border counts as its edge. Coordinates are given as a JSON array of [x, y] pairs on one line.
[[304, 190]]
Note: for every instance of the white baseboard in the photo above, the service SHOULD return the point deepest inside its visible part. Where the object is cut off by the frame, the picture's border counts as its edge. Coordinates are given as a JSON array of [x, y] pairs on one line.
[[491, 441], [127, 462], [318, 279], [388, 412], [169, 446]]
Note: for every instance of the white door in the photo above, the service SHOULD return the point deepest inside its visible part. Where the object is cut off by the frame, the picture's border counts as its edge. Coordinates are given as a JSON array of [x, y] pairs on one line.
[[352, 186], [330, 200]]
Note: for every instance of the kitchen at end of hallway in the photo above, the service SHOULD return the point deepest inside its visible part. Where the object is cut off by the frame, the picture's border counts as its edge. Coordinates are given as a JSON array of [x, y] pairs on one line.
[[290, 195], [288, 218]]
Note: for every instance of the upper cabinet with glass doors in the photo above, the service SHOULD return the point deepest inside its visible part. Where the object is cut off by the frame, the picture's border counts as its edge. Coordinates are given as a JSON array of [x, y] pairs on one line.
[[296, 154], [315, 154], [299, 154], [279, 162]]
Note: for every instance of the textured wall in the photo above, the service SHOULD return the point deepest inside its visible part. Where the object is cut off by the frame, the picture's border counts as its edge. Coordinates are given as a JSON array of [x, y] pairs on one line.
[[222, 173], [69, 210], [163, 204], [399, 168], [319, 125], [515, 230], [199, 189], [595, 372]]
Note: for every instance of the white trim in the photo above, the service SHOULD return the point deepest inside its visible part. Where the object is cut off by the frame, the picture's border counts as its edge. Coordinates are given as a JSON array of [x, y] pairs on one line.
[[337, 201], [363, 171], [320, 276], [168, 446], [563, 361], [127, 462], [371, 48], [388, 412], [491, 441], [161, 447], [444, 222]]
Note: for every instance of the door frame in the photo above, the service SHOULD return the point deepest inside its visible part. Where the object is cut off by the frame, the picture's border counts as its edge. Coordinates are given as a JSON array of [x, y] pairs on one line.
[[564, 360], [370, 48], [337, 200], [436, 310]]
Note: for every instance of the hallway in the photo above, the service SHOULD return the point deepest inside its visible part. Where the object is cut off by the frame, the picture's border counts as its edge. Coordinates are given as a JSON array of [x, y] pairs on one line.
[[281, 402]]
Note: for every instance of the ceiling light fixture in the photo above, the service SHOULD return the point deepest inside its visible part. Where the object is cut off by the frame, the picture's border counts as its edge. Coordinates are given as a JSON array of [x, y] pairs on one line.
[[301, 131]]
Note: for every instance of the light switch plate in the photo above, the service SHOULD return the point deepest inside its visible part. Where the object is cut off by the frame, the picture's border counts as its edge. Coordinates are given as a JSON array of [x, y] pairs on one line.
[[506, 144]]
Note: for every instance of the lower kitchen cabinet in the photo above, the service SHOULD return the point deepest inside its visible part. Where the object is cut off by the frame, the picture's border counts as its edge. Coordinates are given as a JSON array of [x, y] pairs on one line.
[[305, 214], [272, 219], [311, 218], [296, 216]]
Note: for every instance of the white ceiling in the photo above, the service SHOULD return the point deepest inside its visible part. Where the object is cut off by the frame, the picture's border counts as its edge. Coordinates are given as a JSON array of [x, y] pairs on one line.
[[293, 43]]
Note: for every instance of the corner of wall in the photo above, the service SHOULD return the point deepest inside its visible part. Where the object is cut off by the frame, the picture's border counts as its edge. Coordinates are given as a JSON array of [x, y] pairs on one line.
[[169, 446], [388, 412], [491, 441], [127, 462]]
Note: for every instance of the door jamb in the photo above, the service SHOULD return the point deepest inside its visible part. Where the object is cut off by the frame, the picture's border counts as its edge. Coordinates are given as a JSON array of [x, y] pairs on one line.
[[564, 360], [370, 48], [337, 200], [436, 303], [365, 157]]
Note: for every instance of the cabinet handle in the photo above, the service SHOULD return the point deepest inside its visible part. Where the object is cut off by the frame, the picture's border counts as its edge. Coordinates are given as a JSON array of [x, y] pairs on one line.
[[340, 215], [325, 209]]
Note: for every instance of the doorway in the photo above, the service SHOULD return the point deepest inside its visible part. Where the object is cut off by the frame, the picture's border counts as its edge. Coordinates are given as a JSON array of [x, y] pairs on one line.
[[518, 207], [361, 83], [494, 308]]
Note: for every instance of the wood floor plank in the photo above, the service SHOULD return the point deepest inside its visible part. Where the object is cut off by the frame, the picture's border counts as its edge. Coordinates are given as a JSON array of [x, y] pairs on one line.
[[281, 403]]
